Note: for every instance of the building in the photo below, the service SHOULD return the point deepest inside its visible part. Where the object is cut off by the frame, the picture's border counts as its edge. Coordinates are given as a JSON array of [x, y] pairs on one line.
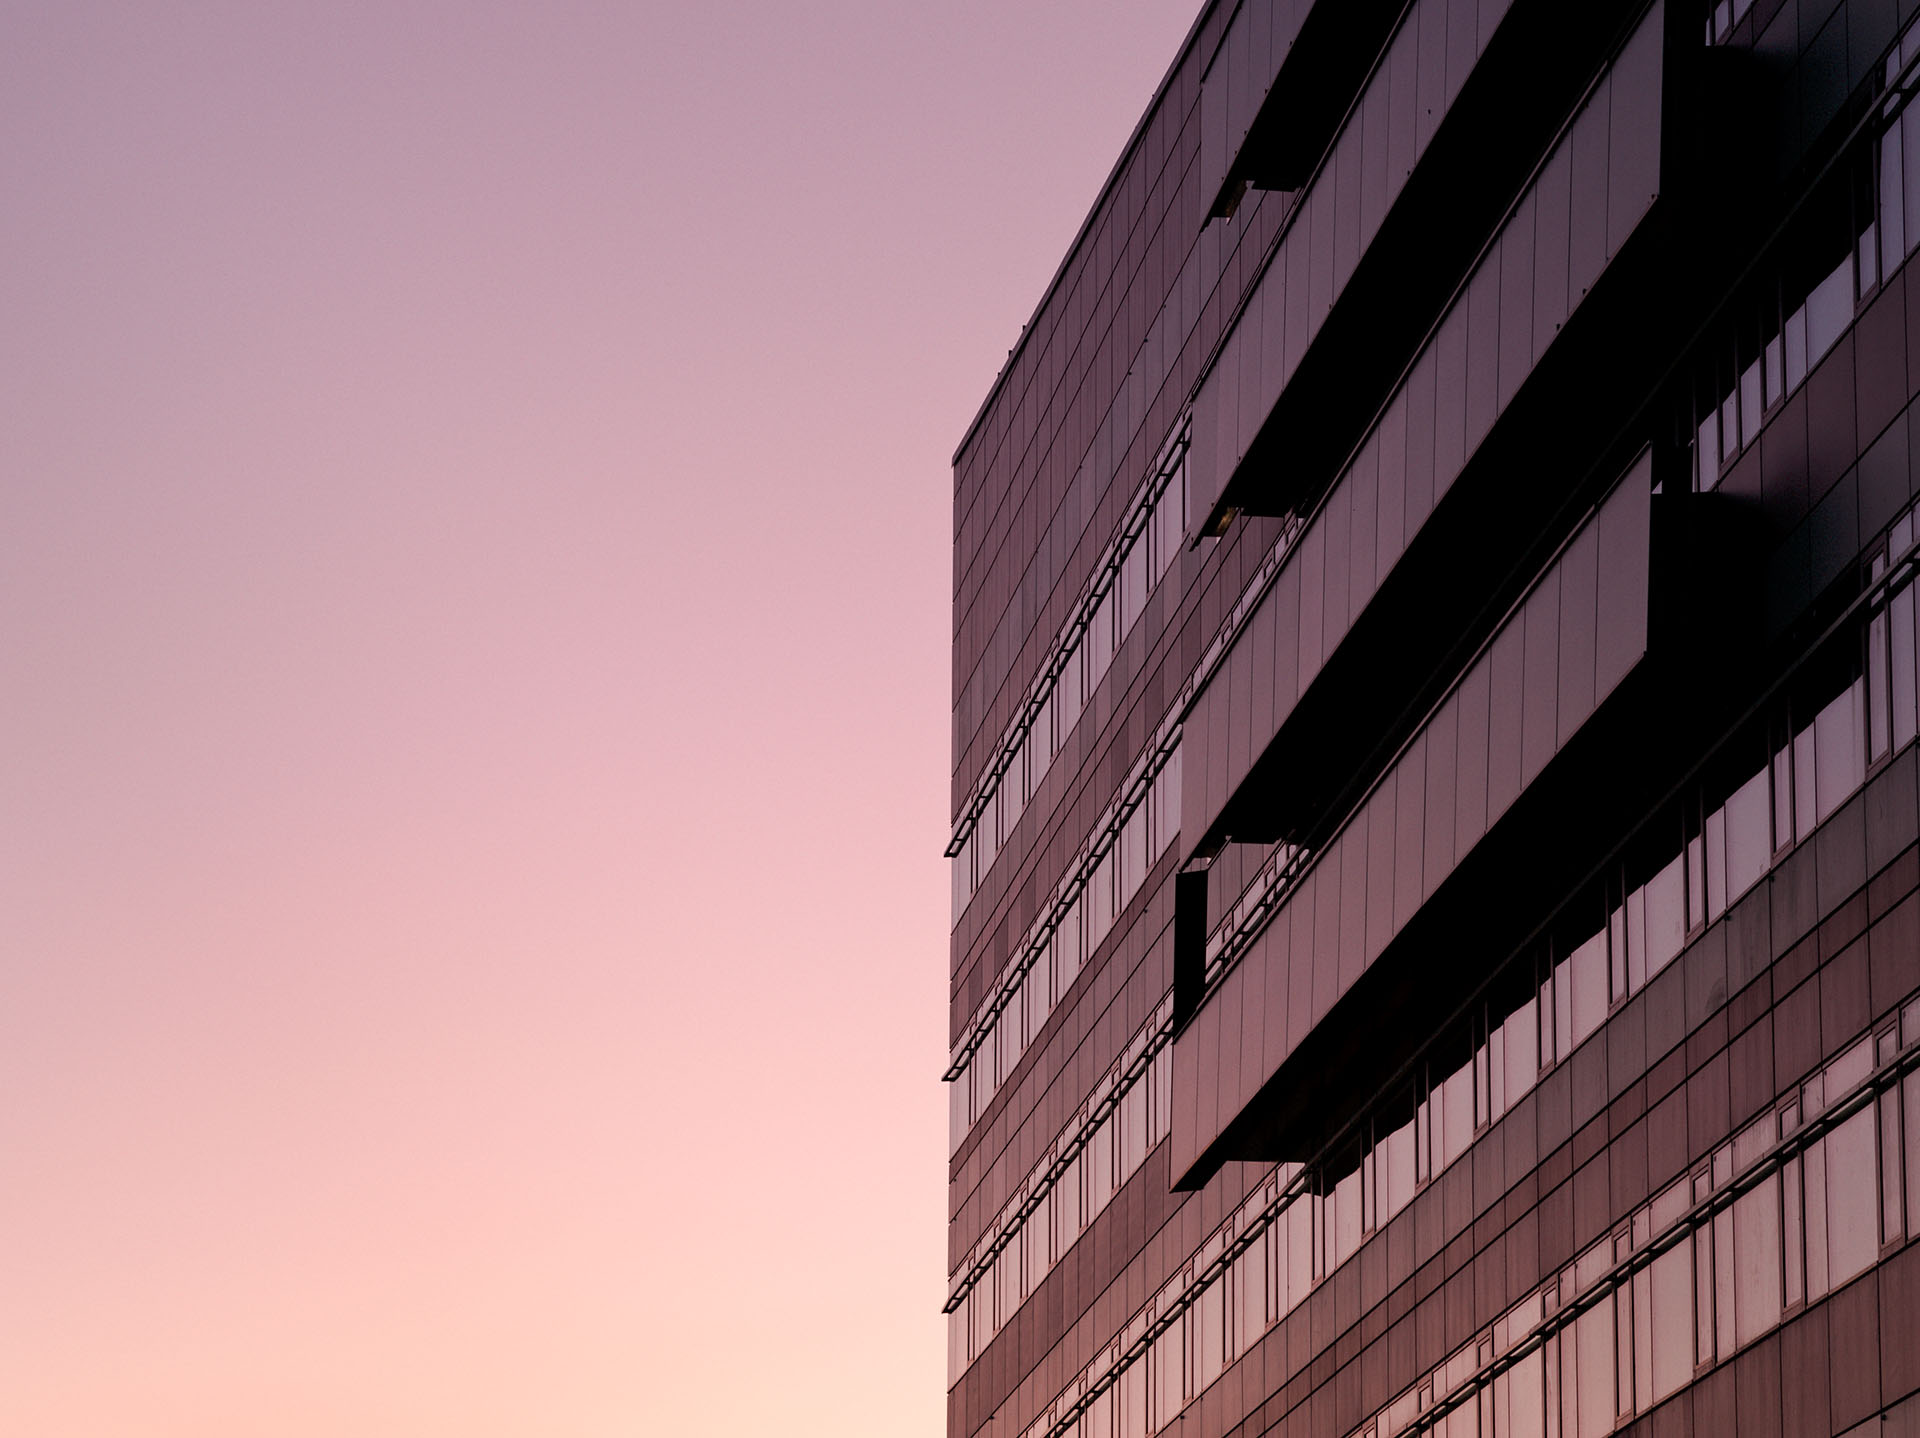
[[1436, 899]]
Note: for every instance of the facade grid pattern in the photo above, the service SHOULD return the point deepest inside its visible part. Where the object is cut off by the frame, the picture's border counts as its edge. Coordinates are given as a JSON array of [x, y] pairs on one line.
[[1436, 744]]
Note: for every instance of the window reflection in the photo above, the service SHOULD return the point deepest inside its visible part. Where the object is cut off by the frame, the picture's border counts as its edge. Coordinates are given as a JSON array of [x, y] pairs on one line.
[[1159, 771], [1818, 1217], [1140, 827], [1808, 311], [1123, 1120], [1116, 597], [1774, 1219]]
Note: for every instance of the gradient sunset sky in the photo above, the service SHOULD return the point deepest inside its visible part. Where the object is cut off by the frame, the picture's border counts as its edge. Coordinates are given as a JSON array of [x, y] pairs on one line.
[[474, 605]]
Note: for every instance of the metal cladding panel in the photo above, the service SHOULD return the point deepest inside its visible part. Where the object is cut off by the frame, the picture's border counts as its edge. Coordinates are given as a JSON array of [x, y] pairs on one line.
[[1567, 646], [1208, 462], [1624, 562], [1598, 185], [1256, 44], [1336, 218]]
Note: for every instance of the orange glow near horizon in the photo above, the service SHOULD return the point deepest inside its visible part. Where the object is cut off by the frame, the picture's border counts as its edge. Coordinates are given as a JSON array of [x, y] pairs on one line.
[[474, 586]]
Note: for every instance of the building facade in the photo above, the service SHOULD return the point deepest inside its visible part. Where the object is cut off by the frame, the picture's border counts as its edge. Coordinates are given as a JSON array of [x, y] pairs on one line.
[[1436, 864]]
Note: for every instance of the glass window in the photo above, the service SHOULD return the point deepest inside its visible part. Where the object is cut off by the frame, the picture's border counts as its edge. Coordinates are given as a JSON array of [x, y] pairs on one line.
[[1749, 841], [1166, 802], [1131, 1393], [1853, 1220], [1715, 837], [1794, 333], [1100, 640], [1493, 1060], [1160, 1096], [1344, 1217], [1250, 1272], [1133, 1129], [1696, 883], [1069, 695], [1133, 854], [1098, 1422], [1666, 916], [1165, 1370], [1526, 1397], [1829, 310], [1068, 948], [1840, 760], [1396, 1169], [1210, 1336], [1627, 930], [1900, 617], [1098, 1158], [1549, 1044], [1707, 450], [1589, 986], [1879, 710], [1299, 1256], [1032, 1238], [1814, 1211], [1892, 1224], [1782, 798], [1455, 1111], [1910, 1108], [1672, 1286], [1702, 1326], [1098, 901], [1134, 584], [1756, 1262], [962, 875], [1067, 1204], [1751, 404], [1909, 189], [1522, 1050], [1594, 1361], [1792, 1234]]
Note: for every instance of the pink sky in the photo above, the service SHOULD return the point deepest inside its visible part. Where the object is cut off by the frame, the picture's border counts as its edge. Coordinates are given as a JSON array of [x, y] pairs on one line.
[[474, 574]]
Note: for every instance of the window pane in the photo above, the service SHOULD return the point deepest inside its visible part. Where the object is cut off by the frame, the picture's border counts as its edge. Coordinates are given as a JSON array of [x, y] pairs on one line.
[[1344, 1218], [1589, 985], [1707, 451], [1910, 1105], [1522, 1046], [1250, 1292], [1900, 612], [1829, 309], [1164, 1371], [1748, 840], [1751, 404], [1209, 1349], [1593, 1348], [1853, 1218], [1397, 1175], [1840, 760], [1456, 1116], [1756, 1261], [1526, 1397], [1672, 1320], [1716, 847], [1132, 1417], [1666, 916]]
